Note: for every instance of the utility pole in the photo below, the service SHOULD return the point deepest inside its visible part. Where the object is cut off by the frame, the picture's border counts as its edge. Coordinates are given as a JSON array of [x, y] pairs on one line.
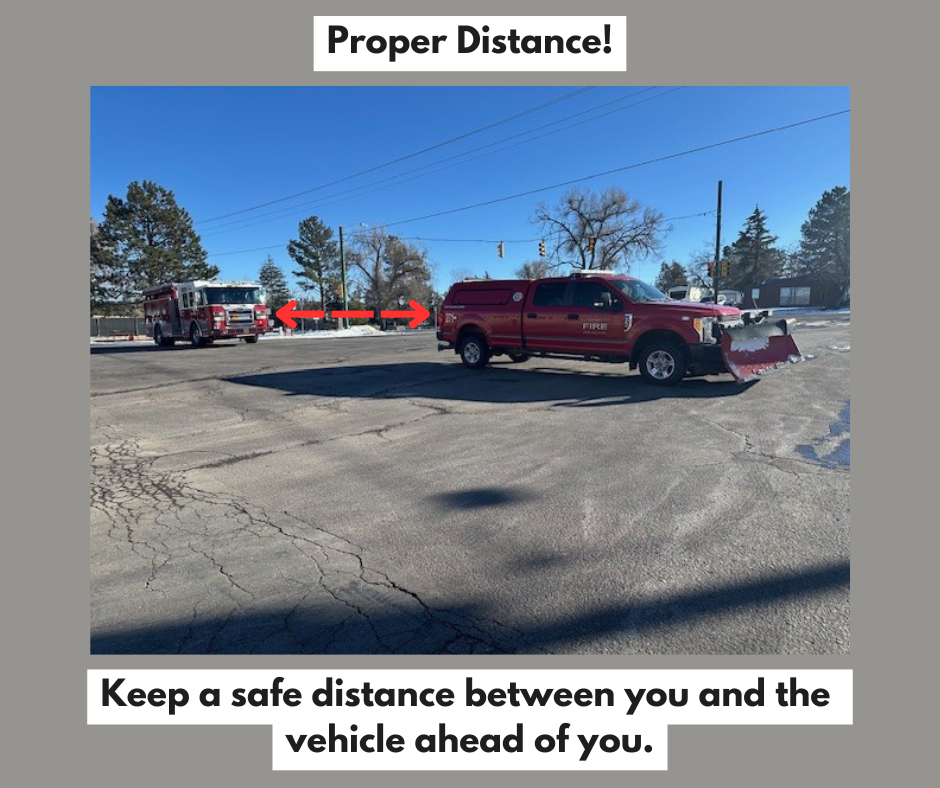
[[717, 247], [342, 264]]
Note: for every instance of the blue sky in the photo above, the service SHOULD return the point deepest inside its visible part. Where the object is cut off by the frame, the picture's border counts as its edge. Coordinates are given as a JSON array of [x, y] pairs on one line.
[[232, 155]]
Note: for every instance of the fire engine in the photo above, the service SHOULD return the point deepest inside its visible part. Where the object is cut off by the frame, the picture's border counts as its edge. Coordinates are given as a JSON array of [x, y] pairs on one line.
[[202, 311]]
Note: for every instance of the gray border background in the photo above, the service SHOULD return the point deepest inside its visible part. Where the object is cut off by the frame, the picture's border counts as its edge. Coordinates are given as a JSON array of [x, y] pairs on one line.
[[51, 57]]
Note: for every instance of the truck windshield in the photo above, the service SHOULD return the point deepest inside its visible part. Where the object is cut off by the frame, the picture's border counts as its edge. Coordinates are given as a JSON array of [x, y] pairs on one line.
[[234, 295], [639, 292]]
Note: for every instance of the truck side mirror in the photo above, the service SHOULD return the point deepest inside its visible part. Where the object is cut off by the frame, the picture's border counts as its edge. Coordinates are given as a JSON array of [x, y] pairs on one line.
[[604, 301]]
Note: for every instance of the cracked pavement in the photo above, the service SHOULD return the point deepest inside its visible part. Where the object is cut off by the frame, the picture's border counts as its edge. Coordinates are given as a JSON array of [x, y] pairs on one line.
[[371, 496]]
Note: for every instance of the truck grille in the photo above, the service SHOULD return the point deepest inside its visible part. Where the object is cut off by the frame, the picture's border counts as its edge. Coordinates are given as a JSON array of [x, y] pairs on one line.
[[237, 317]]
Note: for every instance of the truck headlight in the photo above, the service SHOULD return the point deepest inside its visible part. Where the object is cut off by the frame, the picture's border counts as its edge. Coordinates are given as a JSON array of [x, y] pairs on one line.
[[705, 327]]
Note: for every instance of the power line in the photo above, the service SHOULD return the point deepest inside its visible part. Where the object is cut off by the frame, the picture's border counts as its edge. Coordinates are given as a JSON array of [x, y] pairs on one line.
[[636, 165], [454, 240], [450, 141], [400, 178]]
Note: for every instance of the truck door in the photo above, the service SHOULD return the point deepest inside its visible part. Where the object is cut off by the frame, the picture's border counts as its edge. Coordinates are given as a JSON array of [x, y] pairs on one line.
[[594, 319], [545, 318]]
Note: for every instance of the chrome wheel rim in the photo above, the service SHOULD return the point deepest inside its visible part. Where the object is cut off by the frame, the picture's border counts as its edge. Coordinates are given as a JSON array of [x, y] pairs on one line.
[[471, 352], [660, 364]]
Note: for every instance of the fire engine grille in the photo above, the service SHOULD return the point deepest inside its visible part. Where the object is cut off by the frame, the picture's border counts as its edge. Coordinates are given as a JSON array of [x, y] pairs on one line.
[[240, 317]]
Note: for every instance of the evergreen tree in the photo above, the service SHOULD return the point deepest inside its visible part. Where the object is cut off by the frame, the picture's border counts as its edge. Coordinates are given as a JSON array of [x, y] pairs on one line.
[[151, 239], [671, 275], [317, 254], [824, 245], [105, 276], [272, 279], [752, 258]]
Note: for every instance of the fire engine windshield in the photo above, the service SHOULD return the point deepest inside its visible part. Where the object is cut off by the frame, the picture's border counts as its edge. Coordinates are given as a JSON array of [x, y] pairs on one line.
[[639, 292], [234, 295]]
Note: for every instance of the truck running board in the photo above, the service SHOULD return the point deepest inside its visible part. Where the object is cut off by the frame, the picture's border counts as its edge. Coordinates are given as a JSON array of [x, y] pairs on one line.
[[751, 350]]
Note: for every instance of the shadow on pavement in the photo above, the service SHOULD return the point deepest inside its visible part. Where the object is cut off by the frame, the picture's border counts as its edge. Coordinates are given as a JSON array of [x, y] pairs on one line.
[[436, 628], [481, 498], [497, 384], [103, 348]]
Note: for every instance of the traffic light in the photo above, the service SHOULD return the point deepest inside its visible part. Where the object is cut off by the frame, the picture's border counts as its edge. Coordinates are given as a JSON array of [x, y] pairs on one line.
[[592, 240], [500, 248], [724, 267], [541, 248], [711, 268]]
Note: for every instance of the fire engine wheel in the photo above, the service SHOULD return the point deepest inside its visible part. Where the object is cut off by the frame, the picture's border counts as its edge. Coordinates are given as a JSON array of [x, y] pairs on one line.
[[518, 358], [195, 335], [474, 352], [252, 339], [158, 339], [663, 363]]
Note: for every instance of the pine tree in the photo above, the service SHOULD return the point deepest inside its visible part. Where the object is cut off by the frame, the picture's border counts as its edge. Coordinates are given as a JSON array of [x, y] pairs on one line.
[[317, 254], [106, 276], [671, 275], [824, 245], [752, 258], [151, 239], [272, 279]]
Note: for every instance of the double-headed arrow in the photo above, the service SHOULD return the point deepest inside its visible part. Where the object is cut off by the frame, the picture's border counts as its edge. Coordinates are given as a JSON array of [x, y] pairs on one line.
[[417, 313]]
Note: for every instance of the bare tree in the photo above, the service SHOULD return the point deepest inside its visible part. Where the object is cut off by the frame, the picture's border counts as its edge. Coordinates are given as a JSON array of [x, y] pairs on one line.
[[534, 269], [390, 268], [606, 230]]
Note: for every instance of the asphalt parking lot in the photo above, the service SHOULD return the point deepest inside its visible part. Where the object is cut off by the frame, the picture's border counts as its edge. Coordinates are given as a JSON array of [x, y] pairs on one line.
[[371, 495]]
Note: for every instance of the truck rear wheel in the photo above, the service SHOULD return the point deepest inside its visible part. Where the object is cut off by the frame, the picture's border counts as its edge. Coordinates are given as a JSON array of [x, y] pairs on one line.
[[158, 339], [252, 339], [519, 358], [663, 362], [474, 352]]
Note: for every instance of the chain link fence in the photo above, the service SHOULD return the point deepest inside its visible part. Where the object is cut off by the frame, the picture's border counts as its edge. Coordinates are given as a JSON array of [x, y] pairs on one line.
[[107, 327]]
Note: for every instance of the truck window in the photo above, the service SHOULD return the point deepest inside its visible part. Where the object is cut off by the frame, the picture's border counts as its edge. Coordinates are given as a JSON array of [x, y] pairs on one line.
[[592, 295], [550, 294]]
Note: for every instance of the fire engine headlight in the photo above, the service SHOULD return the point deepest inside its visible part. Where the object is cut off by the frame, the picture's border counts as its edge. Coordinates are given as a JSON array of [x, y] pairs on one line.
[[705, 327]]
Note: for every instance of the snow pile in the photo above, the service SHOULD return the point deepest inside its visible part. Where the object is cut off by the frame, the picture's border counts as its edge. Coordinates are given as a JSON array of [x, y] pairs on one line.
[[352, 331], [751, 345]]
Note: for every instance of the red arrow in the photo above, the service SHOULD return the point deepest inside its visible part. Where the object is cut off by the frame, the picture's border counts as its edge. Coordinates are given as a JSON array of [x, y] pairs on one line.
[[287, 314], [417, 312]]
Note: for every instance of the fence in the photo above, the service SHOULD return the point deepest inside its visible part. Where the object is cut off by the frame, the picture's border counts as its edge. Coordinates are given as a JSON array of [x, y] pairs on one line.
[[117, 326]]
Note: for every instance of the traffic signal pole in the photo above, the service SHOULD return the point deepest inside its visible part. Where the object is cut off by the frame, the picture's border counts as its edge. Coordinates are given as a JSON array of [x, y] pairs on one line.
[[717, 266]]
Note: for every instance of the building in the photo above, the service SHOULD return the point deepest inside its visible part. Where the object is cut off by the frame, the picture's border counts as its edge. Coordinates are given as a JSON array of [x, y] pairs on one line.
[[809, 290]]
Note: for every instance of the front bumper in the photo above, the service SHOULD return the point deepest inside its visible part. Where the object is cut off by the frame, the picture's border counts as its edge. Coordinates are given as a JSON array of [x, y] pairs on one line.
[[706, 360]]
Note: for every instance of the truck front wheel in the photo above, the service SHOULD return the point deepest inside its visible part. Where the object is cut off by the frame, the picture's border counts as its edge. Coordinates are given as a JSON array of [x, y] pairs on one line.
[[474, 352], [663, 363], [195, 336]]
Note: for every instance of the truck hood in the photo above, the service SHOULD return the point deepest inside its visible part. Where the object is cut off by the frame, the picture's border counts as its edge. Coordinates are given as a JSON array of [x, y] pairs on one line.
[[698, 309]]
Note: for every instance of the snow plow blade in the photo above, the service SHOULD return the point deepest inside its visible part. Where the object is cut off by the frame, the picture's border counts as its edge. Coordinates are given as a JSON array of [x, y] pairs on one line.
[[751, 350]]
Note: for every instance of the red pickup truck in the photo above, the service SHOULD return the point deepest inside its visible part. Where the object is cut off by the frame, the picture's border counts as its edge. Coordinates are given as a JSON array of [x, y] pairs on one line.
[[604, 317]]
